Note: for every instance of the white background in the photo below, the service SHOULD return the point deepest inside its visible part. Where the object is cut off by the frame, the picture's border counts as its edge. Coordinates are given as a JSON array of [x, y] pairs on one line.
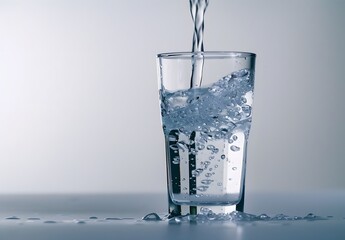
[[79, 101]]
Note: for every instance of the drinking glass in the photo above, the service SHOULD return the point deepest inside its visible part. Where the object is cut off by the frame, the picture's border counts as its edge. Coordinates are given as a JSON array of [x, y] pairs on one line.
[[206, 111]]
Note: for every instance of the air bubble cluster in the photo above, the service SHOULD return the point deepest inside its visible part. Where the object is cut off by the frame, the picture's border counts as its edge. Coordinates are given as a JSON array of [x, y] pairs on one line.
[[215, 111]]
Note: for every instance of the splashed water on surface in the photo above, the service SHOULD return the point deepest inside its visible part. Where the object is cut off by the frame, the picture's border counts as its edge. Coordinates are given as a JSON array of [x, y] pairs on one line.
[[207, 215]]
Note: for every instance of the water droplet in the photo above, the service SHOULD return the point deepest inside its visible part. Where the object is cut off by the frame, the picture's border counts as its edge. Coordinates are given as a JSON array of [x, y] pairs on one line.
[[50, 221], [183, 179], [264, 217], [202, 188], [208, 174], [222, 157], [230, 141], [234, 137], [152, 217], [12, 218], [234, 168], [243, 100], [215, 166], [33, 218], [206, 181], [112, 218], [211, 157], [80, 222], [230, 179], [281, 217], [93, 217], [234, 148]]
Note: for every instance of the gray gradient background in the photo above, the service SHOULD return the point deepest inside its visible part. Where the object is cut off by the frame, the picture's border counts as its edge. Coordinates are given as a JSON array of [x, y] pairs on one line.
[[79, 102]]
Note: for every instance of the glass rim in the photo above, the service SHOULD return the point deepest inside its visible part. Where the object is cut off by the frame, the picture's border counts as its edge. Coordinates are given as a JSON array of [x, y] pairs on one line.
[[206, 54]]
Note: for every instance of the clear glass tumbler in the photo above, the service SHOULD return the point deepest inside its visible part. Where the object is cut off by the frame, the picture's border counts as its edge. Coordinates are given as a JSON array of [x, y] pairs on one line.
[[206, 109]]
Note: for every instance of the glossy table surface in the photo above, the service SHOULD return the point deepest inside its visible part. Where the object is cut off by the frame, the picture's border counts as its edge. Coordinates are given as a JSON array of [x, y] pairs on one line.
[[119, 216]]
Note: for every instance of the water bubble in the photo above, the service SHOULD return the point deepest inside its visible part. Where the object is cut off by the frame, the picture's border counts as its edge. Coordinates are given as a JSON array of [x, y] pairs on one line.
[[172, 138], [239, 74], [247, 110], [151, 217], [201, 147], [202, 188], [207, 163], [205, 210], [193, 151], [174, 147], [206, 181], [176, 160], [215, 166], [223, 156], [210, 147], [243, 99], [237, 116], [215, 151], [234, 137], [234, 168], [182, 145], [234, 148], [230, 141], [208, 174], [205, 130], [211, 157], [197, 172]]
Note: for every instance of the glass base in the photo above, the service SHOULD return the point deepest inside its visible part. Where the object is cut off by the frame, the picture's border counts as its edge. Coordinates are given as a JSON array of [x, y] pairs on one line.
[[178, 210]]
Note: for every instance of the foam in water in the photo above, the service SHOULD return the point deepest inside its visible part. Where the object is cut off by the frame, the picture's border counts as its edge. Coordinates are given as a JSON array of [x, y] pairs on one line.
[[206, 130]]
